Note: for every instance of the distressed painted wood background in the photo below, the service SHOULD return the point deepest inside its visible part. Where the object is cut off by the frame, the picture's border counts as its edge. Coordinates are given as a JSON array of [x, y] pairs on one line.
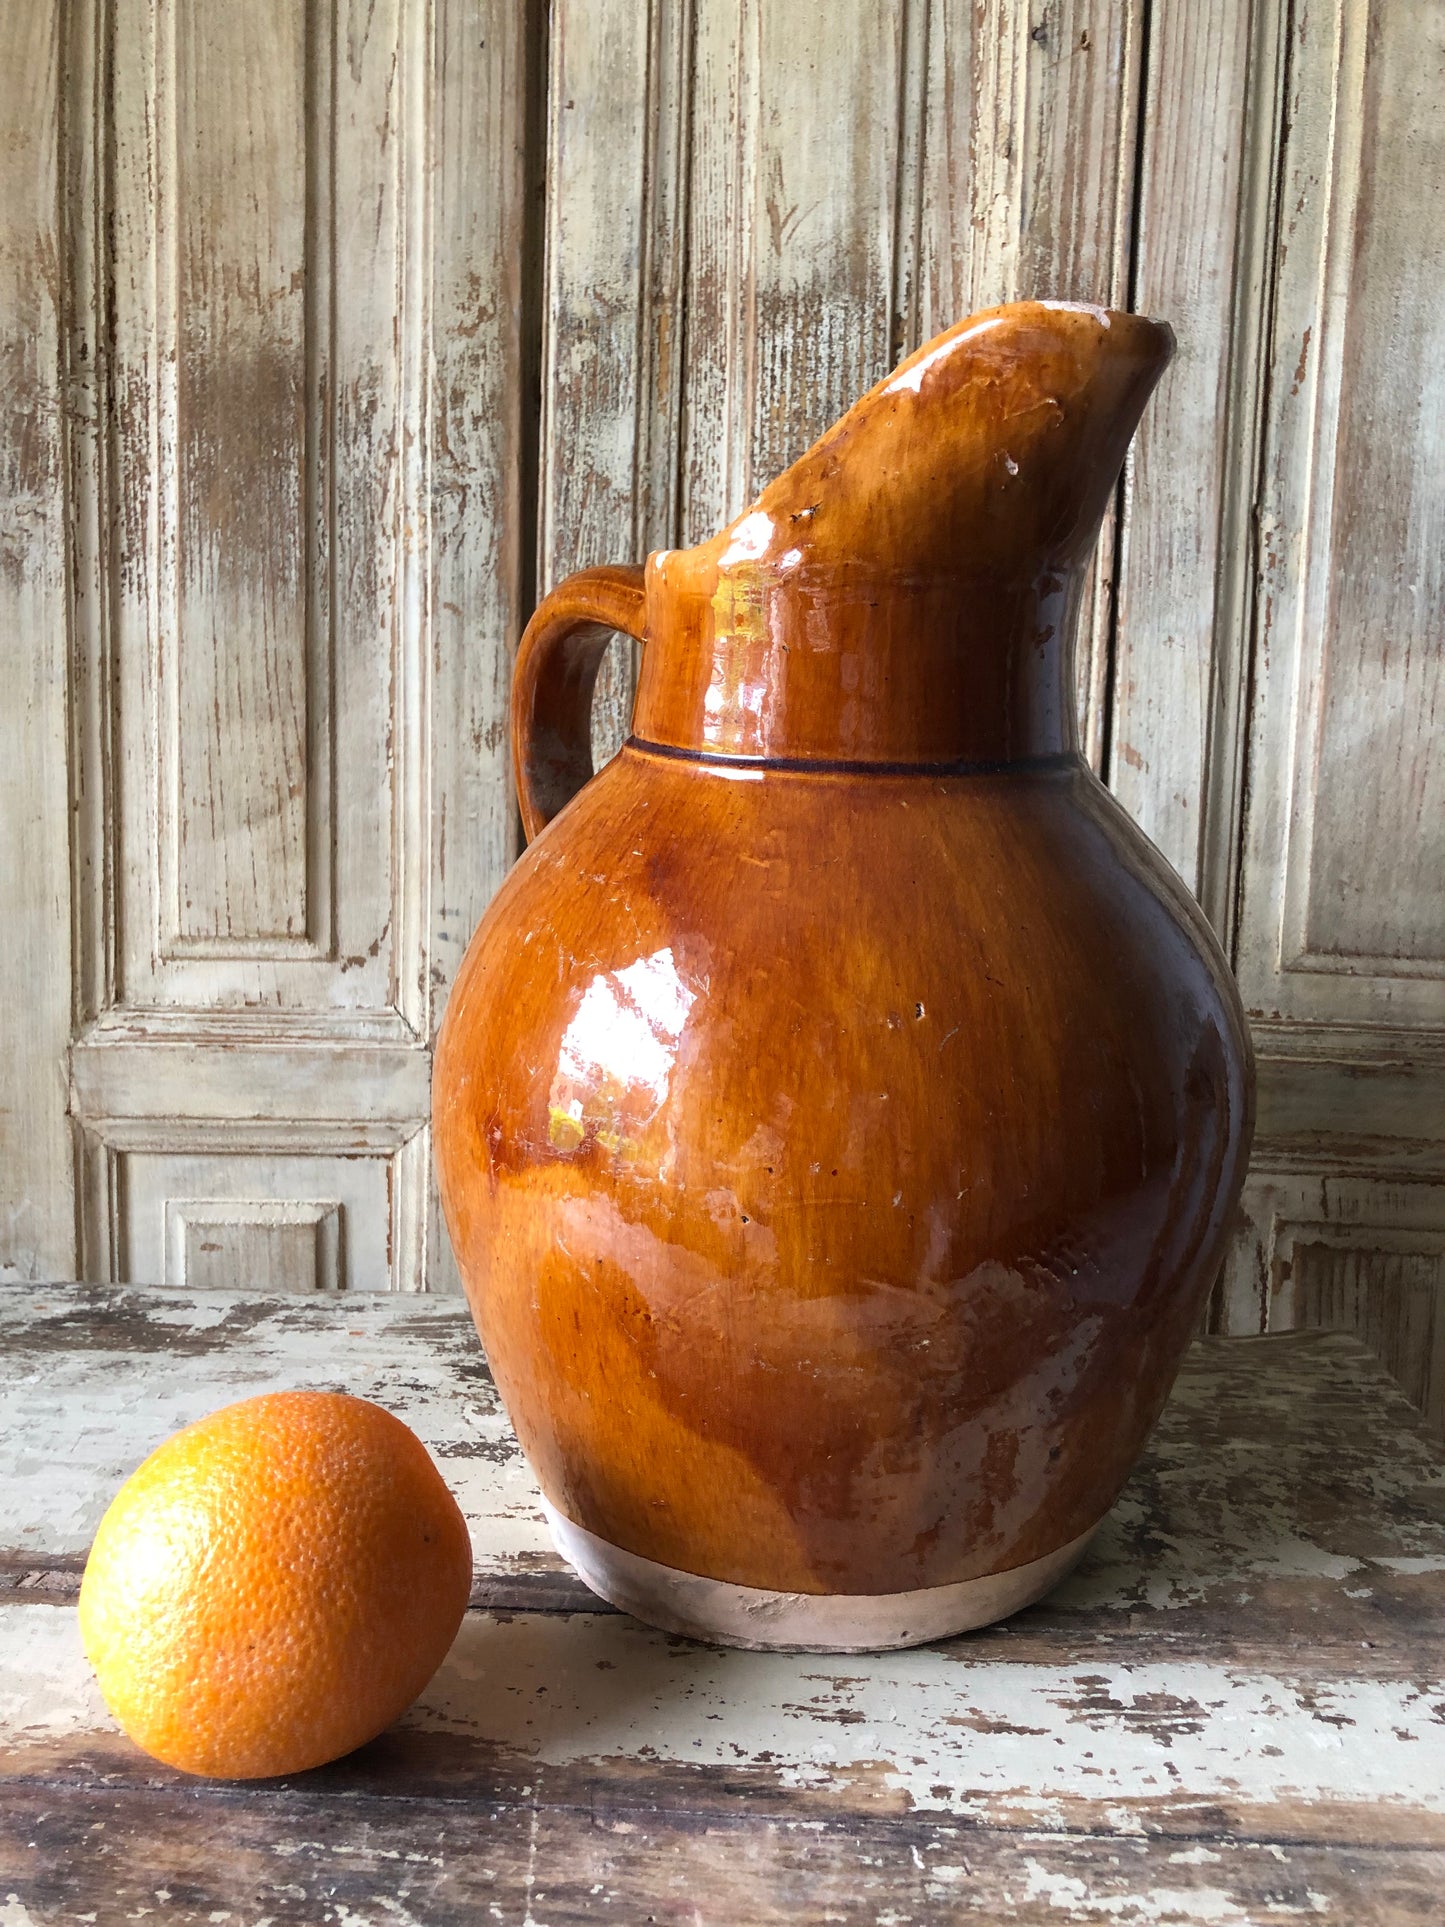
[[330, 332]]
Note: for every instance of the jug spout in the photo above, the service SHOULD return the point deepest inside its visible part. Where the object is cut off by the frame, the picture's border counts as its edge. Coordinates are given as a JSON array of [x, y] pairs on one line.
[[907, 591]]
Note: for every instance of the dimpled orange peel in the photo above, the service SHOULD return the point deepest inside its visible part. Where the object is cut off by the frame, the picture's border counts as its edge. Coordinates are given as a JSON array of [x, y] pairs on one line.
[[274, 1585]]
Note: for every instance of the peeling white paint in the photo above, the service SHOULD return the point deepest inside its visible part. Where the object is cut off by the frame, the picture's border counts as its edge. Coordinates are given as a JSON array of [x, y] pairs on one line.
[[1071, 1896], [1209, 1527], [46, 1686], [950, 1733], [72, 1432]]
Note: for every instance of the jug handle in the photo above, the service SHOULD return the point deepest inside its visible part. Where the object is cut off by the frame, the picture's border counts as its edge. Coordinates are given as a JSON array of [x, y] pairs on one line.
[[557, 662]]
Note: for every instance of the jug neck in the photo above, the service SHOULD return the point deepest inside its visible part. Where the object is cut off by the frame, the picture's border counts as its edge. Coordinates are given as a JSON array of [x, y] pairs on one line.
[[861, 666], [908, 592]]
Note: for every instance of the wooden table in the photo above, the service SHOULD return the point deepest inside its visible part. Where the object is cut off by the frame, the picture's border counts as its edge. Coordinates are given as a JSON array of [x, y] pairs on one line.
[[1235, 1711]]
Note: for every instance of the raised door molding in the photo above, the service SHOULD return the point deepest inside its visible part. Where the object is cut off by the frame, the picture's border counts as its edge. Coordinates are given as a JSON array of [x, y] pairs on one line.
[[1347, 758], [1340, 940], [1363, 1252], [1203, 238], [1342, 247], [256, 657], [37, 1197], [616, 153], [209, 1242]]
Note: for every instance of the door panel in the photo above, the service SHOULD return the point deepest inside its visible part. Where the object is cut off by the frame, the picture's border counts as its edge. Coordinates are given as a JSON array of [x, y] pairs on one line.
[[1348, 756], [296, 421], [261, 839], [1340, 942], [229, 337], [260, 654]]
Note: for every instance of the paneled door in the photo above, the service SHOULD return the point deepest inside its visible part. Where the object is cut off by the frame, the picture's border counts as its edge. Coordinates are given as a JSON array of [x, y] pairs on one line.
[[328, 327], [1340, 942], [264, 388]]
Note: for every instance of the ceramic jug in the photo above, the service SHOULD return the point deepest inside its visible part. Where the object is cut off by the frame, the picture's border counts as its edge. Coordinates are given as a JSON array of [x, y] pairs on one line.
[[841, 1106]]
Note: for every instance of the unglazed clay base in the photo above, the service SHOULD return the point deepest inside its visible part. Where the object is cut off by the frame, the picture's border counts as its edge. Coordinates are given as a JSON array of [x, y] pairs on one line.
[[801, 1622]]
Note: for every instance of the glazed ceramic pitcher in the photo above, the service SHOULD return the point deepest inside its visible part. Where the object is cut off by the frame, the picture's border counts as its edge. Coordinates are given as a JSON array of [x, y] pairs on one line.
[[841, 1106]]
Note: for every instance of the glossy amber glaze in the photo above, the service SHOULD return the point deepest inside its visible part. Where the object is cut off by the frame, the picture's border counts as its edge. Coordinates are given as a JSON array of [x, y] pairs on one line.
[[841, 1107]]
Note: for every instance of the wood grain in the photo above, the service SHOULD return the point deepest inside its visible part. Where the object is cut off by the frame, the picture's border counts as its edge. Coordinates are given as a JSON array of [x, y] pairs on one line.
[[790, 235], [481, 98], [1231, 1712], [1028, 129], [617, 160], [245, 289], [1383, 765], [1362, 1250], [554, 1848], [728, 271], [313, 757], [1335, 945], [557, 1849], [1182, 645]]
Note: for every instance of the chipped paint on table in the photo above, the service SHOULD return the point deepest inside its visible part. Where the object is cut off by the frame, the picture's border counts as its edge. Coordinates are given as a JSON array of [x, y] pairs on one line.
[[940, 1728], [1233, 1711], [94, 1379]]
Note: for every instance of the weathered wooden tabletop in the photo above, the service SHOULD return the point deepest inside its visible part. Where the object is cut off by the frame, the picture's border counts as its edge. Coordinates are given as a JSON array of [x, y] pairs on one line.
[[1234, 1711]]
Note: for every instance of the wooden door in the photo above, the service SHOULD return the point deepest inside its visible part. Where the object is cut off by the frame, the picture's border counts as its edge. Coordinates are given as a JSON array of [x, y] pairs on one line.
[[264, 387], [258, 766], [1340, 933]]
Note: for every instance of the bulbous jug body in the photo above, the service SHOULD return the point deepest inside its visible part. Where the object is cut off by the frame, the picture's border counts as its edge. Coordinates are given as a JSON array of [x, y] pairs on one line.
[[841, 1107]]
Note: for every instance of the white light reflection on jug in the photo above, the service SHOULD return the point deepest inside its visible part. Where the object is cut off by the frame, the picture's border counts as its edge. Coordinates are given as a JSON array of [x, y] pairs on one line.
[[617, 1054], [750, 539], [912, 378]]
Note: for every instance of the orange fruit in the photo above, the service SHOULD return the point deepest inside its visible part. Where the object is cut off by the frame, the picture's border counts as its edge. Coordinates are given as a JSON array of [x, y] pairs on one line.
[[274, 1585]]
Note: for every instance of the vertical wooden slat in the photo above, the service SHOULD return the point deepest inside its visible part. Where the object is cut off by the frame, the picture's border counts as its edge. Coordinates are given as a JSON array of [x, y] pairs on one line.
[[791, 237], [1030, 129], [94, 961], [484, 91], [617, 119], [478, 86], [1078, 194], [1204, 194], [375, 507], [37, 1213]]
